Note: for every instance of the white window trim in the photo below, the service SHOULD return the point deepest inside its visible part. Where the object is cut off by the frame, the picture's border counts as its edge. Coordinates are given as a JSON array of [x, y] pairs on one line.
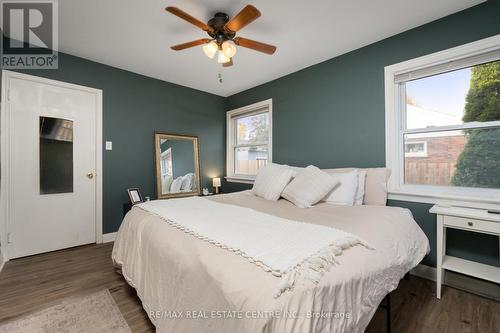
[[167, 154], [394, 120], [230, 176]]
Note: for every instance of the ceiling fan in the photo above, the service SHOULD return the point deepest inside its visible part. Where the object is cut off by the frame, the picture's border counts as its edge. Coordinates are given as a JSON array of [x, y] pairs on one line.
[[222, 32]]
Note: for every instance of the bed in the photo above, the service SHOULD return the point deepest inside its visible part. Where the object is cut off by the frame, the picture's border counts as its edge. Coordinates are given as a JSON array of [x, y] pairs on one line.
[[189, 285]]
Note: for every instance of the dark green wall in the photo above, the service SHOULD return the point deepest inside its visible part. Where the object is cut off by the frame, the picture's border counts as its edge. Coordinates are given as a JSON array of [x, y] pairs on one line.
[[134, 107], [332, 114]]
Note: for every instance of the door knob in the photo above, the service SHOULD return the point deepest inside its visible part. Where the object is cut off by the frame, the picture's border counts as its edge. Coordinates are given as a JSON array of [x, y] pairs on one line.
[[90, 175]]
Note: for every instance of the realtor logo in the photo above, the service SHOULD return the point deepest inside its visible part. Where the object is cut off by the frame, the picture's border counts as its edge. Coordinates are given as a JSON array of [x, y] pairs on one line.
[[29, 39]]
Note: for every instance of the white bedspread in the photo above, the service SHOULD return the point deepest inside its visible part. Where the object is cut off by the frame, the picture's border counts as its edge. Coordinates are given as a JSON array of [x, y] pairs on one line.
[[275, 244], [188, 285]]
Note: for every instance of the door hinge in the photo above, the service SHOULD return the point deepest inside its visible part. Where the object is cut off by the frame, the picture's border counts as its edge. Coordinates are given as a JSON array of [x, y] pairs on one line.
[[9, 238]]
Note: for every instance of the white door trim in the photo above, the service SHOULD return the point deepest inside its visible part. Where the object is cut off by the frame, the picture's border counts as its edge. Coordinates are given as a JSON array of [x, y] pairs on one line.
[[6, 168]]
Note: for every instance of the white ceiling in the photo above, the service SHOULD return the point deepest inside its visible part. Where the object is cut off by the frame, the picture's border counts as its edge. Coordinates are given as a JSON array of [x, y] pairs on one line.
[[136, 35]]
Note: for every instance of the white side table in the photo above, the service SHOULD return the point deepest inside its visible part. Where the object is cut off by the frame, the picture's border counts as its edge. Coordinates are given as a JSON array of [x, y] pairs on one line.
[[475, 220]]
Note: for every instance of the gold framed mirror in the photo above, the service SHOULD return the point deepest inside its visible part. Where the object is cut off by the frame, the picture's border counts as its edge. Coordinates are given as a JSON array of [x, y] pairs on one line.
[[177, 163]]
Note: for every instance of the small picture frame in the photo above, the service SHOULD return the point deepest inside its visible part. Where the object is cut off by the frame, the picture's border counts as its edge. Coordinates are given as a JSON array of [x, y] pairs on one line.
[[135, 196]]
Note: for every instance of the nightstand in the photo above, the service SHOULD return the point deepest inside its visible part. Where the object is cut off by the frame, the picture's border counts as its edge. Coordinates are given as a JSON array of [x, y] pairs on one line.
[[126, 207], [470, 219]]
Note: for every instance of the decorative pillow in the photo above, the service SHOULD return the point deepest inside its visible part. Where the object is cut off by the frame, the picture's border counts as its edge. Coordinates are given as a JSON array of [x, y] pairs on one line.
[[271, 181], [176, 185], [296, 170], [308, 187], [345, 192]]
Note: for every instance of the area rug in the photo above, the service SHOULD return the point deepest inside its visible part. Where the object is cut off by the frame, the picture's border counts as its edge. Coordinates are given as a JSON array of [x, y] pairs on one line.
[[91, 313]]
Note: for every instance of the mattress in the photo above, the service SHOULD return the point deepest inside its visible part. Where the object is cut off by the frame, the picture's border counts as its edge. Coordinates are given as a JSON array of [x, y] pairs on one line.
[[188, 285]]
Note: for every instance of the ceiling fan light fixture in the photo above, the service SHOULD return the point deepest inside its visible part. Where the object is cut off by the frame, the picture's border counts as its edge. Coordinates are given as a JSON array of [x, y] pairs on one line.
[[210, 49], [229, 48], [222, 31], [222, 59]]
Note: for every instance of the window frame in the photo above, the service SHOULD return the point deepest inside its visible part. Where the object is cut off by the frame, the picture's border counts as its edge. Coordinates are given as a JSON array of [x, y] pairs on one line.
[[395, 129], [233, 115]]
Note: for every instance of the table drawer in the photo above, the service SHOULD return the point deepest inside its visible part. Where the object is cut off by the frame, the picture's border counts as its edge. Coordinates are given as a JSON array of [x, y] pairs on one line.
[[472, 224]]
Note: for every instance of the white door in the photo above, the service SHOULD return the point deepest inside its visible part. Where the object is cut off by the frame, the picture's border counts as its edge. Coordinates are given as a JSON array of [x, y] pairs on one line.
[[52, 164]]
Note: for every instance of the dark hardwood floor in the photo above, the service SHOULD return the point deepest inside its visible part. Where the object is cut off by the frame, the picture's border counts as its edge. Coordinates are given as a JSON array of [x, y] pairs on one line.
[[35, 282]]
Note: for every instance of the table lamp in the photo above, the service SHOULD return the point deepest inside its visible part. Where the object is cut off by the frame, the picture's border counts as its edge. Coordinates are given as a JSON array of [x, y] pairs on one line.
[[216, 184]]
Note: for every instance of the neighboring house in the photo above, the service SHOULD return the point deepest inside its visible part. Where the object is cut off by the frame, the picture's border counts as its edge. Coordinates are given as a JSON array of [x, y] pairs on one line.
[[431, 158]]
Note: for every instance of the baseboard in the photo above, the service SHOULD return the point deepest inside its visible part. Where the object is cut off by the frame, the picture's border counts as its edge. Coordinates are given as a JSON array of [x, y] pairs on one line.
[[459, 281], [473, 285], [108, 238], [424, 271]]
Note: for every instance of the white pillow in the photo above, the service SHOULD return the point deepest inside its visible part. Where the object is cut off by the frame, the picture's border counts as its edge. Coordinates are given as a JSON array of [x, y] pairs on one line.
[[376, 186], [165, 184], [345, 192], [360, 192], [271, 181], [187, 182], [375, 189], [176, 185], [308, 187]]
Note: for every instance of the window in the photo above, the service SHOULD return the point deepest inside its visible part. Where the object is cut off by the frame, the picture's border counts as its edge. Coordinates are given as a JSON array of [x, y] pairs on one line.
[[56, 155], [443, 124], [166, 167], [248, 141], [416, 148]]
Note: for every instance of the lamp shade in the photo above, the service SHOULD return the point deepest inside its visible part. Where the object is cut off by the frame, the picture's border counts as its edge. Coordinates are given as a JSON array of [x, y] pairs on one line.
[[210, 49], [221, 58], [229, 48], [216, 182]]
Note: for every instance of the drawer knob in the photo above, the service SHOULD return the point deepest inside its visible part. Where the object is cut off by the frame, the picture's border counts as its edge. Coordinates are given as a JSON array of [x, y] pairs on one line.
[[470, 224]]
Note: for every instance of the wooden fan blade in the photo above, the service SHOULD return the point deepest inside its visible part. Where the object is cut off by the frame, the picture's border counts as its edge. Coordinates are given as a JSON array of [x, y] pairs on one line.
[[254, 45], [185, 16], [228, 64], [243, 18], [190, 44]]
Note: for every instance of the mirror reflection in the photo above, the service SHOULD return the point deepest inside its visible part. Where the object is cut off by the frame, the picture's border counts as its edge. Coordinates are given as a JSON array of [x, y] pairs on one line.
[[177, 165]]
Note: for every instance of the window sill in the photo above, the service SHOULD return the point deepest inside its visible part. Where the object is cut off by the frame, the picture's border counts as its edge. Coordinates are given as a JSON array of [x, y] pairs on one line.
[[446, 199], [235, 179]]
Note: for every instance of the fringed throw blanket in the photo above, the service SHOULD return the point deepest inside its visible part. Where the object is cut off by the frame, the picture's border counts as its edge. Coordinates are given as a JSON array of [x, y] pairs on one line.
[[279, 246]]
